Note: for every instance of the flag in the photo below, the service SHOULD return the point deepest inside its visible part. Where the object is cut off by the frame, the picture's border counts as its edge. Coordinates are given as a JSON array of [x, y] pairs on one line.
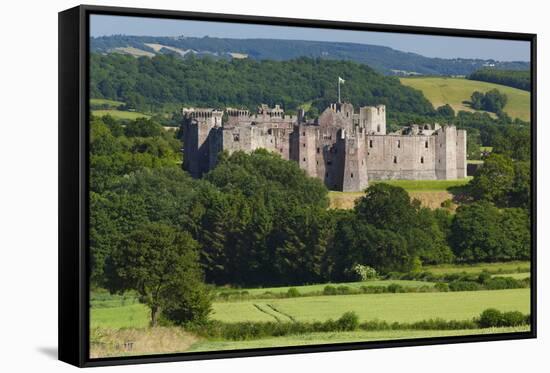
[[340, 80]]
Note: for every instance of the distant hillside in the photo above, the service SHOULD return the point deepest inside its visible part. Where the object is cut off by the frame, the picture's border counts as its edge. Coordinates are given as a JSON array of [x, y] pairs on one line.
[[386, 60], [457, 92]]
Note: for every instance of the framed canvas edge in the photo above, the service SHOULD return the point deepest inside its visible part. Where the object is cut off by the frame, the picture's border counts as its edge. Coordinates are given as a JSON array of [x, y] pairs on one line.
[[73, 194]]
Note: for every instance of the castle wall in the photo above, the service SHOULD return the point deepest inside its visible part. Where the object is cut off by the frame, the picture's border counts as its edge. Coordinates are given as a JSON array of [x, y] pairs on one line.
[[354, 176], [342, 148], [400, 157], [445, 153], [461, 148]]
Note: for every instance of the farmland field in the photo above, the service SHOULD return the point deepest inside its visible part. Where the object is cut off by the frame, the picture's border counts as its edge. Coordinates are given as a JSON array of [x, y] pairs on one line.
[[454, 91], [402, 307], [120, 114], [499, 267]]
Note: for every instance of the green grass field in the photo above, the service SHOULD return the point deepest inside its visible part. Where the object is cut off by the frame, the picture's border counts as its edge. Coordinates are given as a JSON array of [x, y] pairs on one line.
[[401, 307], [104, 101], [454, 91], [342, 337], [504, 267], [120, 114]]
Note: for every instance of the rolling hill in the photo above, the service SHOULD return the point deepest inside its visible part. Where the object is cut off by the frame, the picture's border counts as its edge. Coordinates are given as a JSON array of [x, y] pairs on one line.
[[457, 91], [384, 59]]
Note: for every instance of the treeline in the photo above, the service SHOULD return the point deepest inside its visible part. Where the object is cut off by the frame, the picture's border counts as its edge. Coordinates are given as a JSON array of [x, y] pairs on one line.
[[145, 83], [258, 219], [520, 79]]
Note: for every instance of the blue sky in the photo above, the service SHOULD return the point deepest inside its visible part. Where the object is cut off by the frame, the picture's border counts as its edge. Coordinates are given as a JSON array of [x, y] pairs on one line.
[[426, 45]]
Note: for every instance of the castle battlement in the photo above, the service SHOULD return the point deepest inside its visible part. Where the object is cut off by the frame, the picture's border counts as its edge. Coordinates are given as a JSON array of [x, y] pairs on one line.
[[342, 147]]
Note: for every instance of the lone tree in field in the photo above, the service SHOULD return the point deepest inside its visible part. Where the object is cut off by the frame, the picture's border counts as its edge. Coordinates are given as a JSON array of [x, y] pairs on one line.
[[160, 262]]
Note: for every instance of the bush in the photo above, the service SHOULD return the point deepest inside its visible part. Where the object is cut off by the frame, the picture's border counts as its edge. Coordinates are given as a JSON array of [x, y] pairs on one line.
[[395, 288], [484, 277], [329, 290], [441, 286], [464, 286], [490, 318], [293, 293], [348, 321], [498, 283], [513, 318], [364, 272]]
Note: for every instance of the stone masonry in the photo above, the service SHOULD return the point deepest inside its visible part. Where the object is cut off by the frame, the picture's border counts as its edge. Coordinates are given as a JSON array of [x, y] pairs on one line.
[[342, 147]]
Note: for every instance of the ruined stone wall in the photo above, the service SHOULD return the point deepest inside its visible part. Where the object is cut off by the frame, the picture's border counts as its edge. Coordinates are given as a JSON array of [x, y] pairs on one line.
[[354, 175], [197, 128], [445, 153], [307, 148], [342, 148], [400, 157], [373, 119], [461, 147], [328, 157]]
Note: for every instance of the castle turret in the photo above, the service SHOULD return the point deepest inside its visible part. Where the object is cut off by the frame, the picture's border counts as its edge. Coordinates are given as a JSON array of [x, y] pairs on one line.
[[354, 175], [197, 130], [445, 153], [373, 119]]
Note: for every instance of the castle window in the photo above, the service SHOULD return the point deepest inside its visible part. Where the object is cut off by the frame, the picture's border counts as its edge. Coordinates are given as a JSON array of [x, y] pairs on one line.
[[236, 137], [304, 159], [378, 128], [281, 150], [394, 159], [304, 133], [329, 162], [326, 174], [398, 143], [362, 162], [421, 159], [304, 145], [317, 162], [426, 145], [370, 143], [351, 175], [318, 150]]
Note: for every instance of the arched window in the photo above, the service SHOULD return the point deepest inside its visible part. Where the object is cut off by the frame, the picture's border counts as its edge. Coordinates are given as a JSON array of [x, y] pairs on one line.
[[421, 159], [394, 159]]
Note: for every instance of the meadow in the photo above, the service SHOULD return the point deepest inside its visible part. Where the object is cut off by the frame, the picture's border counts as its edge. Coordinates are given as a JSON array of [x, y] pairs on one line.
[[120, 114], [457, 91], [431, 193]]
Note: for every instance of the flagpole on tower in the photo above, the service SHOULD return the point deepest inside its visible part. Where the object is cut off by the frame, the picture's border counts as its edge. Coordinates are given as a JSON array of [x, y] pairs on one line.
[[340, 80]]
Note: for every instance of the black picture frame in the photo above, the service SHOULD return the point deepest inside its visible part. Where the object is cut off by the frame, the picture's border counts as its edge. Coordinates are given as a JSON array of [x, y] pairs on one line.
[[74, 175]]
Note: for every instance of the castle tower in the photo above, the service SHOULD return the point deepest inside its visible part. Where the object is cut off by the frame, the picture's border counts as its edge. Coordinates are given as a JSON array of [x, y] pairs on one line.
[[305, 148], [461, 150], [354, 175], [197, 126], [373, 119], [445, 153]]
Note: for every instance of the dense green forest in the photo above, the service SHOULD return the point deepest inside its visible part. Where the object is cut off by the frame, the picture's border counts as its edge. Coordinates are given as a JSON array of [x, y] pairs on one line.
[[384, 59], [258, 219], [145, 83], [513, 78]]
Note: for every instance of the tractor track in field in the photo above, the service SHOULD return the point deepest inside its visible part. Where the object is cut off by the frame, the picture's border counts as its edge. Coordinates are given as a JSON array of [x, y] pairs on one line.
[[272, 311]]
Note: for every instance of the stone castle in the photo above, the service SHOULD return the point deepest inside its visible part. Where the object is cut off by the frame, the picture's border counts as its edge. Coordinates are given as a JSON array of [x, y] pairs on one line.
[[342, 147]]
